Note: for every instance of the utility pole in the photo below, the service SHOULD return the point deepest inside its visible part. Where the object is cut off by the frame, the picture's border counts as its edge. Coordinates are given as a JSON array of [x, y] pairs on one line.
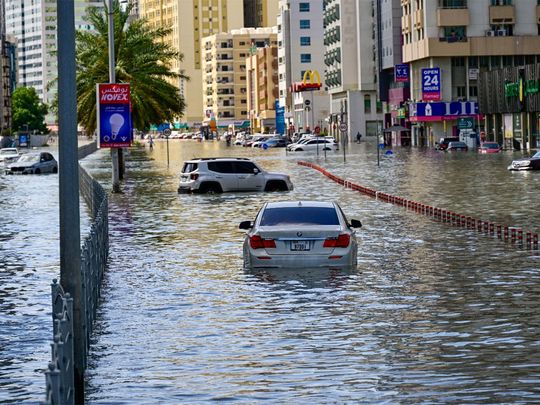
[[112, 79], [70, 239]]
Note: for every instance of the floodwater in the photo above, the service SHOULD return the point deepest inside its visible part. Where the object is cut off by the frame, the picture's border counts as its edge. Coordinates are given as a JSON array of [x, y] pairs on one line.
[[432, 313]]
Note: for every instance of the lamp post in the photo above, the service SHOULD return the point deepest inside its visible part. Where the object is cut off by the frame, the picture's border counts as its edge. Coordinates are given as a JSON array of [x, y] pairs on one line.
[[112, 79]]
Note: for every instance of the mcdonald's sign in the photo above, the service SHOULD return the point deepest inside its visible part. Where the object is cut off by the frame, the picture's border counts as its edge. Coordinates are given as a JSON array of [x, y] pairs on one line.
[[311, 81]]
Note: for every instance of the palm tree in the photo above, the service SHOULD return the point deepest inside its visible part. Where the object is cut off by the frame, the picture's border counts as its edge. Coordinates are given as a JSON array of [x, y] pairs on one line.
[[143, 59]]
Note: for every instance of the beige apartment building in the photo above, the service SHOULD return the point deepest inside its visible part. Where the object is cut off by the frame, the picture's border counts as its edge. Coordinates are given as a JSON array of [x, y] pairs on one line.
[[262, 88], [191, 21], [448, 45], [224, 84]]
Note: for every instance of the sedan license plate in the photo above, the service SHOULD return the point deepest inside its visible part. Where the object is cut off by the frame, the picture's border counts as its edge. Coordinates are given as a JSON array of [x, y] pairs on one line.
[[300, 245]]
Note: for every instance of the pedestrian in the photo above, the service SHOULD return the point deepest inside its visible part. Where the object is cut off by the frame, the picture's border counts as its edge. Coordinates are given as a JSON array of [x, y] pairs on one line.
[[151, 141], [358, 137]]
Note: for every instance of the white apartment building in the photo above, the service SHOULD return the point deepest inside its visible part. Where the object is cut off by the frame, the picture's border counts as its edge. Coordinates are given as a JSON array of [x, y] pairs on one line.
[[351, 73], [301, 48], [33, 24]]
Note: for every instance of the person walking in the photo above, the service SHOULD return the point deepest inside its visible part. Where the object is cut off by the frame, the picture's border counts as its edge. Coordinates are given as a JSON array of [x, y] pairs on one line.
[[358, 137]]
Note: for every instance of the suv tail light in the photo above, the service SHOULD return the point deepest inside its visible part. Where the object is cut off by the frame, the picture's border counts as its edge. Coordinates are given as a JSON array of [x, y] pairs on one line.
[[256, 242], [342, 241], [194, 176]]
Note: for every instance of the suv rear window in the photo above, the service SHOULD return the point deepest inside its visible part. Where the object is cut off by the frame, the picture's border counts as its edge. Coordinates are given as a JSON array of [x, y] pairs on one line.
[[189, 167], [221, 167], [299, 216]]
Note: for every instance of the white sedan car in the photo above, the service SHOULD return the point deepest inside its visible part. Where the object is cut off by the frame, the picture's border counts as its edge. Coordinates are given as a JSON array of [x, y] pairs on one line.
[[8, 155], [314, 144], [292, 234]]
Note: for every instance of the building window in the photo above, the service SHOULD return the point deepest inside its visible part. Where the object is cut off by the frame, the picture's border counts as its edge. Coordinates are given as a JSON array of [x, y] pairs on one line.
[[305, 24], [303, 7], [473, 91], [305, 58], [305, 41], [461, 93], [367, 104], [501, 2]]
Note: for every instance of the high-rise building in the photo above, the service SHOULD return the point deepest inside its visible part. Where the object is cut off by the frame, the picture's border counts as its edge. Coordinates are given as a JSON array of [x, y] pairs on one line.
[[5, 94], [393, 83], [191, 21], [448, 45], [260, 13], [262, 88], [225, 78], [351, 73], [33, 24], [301, 49]]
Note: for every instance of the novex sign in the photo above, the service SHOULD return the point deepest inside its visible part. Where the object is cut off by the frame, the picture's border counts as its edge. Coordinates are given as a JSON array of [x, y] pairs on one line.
[[114, 115], [442, 111]]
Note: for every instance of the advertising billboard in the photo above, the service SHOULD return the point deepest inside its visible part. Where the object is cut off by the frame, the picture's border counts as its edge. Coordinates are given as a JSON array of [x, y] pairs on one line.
[[431, 84], [114, 126], [401, 73]]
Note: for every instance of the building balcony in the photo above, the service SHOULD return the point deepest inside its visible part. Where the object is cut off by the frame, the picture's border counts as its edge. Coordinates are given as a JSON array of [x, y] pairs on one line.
[[452, 17], [538, 14], [405, 24], [419, 19], [502, 15], [478, 46]]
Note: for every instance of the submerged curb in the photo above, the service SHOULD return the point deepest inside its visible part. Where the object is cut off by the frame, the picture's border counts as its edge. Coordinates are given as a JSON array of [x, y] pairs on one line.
[[510, 234]]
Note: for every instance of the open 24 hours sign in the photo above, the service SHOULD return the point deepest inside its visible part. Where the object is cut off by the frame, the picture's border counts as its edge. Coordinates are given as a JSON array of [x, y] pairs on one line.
[[431, 84], [114, 115]]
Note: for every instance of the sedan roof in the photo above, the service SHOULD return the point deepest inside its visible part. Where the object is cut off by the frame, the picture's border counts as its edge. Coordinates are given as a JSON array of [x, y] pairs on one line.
[[309, 203]]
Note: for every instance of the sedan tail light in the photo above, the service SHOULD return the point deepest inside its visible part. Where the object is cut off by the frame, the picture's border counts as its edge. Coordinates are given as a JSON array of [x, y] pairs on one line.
[[342, 241], [194, 176], [256, 242]]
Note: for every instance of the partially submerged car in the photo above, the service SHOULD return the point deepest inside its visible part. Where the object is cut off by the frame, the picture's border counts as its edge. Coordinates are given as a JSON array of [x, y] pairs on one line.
[[489, 147], [9, 155], [33, 163], [531, 163], [300, 234]]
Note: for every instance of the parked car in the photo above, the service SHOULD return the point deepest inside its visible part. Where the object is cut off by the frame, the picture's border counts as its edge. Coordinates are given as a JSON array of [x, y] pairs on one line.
[[443, 143], [457, 146], [531, 163], [33, 163], [257, 143], [489, 147], [314, 144], [217, 175], [302, 234], [9, 155], [274, 143]]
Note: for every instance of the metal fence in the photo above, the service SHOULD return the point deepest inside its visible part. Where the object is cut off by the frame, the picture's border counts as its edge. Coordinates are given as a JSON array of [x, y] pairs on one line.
[[94, 253]]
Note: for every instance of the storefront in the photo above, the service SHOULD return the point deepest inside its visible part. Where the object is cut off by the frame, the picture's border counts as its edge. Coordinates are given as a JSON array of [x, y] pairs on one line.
[[432, 121], [509, 98]]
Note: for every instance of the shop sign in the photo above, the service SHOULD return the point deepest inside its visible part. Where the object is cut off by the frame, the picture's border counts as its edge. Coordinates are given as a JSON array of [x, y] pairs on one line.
[[512, 89], [431, 84], [517, 122], [473, 73], [113, 115], [401, 113], [401, 73], [443, 111]]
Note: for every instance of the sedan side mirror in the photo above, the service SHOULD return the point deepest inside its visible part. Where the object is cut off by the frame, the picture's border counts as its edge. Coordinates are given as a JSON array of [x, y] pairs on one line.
[[255, 171], [355, 223], [245, 225]]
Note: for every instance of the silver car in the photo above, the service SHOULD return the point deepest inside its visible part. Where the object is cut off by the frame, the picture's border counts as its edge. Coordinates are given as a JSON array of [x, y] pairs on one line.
[[292, 234], [33, 163]]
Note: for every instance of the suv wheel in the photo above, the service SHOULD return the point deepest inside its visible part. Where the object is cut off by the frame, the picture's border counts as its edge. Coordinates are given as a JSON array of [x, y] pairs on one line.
[[210, 188], [275, 185]]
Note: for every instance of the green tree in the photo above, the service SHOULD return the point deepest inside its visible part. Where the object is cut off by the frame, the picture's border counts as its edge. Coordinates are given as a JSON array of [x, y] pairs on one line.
[[143, 59], [28, 110]]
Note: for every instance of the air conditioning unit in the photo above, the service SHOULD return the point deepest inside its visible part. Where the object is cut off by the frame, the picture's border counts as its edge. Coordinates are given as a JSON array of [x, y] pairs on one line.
[[490, 33], [501, 33]]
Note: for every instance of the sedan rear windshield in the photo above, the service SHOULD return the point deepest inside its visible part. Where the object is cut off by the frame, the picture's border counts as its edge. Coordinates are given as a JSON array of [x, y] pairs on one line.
[[299, 216]]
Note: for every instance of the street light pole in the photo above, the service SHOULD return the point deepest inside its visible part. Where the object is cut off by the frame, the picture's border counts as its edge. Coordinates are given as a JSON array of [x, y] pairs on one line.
[[112, 79]]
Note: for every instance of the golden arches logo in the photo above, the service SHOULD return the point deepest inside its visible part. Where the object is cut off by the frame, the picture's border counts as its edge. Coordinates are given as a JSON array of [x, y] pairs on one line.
[[311, 75]]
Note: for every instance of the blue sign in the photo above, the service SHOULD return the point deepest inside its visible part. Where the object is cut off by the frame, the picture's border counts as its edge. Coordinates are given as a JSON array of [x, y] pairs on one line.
[[114, 115], [431, 84], [280, 118], [401, 73], [442, 111], [23, 140]]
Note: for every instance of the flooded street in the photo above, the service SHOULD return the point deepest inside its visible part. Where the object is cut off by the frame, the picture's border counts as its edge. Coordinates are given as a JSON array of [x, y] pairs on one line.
[[433, 313]]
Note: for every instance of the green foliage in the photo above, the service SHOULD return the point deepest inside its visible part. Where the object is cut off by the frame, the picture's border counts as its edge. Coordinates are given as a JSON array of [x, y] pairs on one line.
[[143, 59], [28, 110]]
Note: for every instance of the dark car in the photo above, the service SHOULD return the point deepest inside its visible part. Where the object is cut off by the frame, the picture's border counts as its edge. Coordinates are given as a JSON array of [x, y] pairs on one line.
[[33, 163], [457, 146], [531, 163], [443, 143]]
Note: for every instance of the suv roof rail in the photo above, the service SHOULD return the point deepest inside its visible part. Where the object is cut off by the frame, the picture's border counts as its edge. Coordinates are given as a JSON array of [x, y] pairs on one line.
[[220, 157]]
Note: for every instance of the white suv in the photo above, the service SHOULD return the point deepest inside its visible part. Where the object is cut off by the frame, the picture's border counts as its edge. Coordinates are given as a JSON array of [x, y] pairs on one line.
[[217, 175]]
